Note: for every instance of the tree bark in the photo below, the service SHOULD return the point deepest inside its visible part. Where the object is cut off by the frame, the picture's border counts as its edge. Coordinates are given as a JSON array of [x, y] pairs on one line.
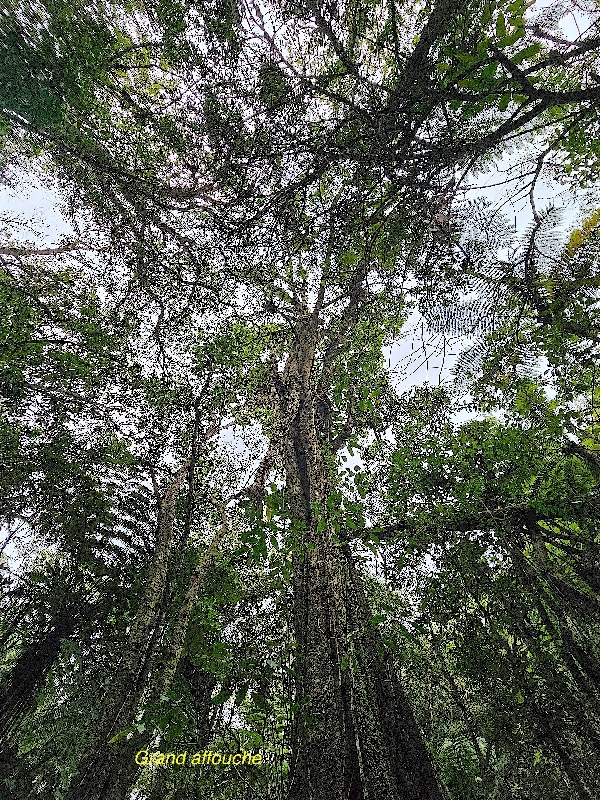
[[355, 735]]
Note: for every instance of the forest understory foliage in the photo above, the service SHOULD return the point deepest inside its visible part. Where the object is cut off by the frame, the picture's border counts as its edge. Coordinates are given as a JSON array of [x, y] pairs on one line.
[[226, 523]]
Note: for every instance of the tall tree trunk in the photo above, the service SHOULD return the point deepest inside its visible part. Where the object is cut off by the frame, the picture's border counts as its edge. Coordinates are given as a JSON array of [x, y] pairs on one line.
[[355, 737]]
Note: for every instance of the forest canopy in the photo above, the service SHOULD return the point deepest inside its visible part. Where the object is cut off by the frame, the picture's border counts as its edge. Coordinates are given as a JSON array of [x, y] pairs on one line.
[[237, 515]]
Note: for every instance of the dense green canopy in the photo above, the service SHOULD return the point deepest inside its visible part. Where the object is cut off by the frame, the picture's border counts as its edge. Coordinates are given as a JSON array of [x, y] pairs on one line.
[[226, 526]]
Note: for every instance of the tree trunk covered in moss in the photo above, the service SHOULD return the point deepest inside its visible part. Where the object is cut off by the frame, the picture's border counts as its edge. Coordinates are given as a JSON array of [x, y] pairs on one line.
[[355, 735]]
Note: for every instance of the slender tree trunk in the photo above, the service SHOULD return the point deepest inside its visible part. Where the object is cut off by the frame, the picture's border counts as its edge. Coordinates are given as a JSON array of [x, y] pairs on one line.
[[106, 771], [201, 685]]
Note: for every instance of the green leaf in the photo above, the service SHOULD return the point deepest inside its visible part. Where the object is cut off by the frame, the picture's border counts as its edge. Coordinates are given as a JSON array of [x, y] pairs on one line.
[[527, 52], [240, 695], [470, 83], [121, 735], [222, 697], [500, 26], [489, 71], [467, 58], [507, 41]]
